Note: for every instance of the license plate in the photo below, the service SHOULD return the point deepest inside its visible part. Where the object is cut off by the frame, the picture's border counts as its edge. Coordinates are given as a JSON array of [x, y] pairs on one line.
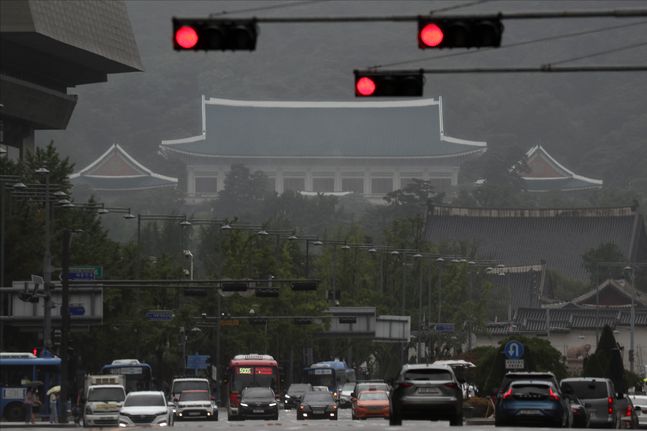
[[258, 411], [529, 412], [194, 413], [318, 411], [433, 391]]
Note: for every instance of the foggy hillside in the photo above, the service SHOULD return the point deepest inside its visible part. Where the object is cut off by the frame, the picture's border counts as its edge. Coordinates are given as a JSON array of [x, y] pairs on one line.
[[595, 123]]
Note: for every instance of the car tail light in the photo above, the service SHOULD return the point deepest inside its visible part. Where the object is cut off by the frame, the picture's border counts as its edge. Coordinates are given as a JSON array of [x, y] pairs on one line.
[[405, 385], [451, 385], [628, 412], [553, 395], [234, 398], [610, 403], [507, 394], [301, 407]]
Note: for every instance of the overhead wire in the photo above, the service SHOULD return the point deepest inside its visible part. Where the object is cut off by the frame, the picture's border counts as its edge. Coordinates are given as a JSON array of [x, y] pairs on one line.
[[512, 45], [274, 6], [459, 6], [599, 53]]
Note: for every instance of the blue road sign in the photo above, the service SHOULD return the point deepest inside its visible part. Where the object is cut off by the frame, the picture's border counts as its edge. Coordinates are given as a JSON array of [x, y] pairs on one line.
[[76, 310], [444, 327], [513, 349], [164, 315], [197, 362]]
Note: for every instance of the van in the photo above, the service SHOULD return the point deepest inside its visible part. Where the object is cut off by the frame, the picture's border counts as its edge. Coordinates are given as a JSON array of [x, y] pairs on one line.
[[599, 398], [180, 385]]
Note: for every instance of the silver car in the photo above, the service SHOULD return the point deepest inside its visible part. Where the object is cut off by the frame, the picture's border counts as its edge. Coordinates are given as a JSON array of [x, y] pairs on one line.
[[428, 392], [640, 406], [599, 398], [145, 408]]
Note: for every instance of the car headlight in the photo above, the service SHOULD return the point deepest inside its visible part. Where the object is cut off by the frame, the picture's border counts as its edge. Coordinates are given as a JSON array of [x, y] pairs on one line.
[[244, 405], [272, 404], [163, 424], [287, 396], [123, 424]]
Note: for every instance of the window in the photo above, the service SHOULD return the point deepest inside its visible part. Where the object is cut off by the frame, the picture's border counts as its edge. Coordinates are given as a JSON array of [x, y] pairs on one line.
[[293, 184], [381, 185], [206, 185], [352, 185], [322, 185]]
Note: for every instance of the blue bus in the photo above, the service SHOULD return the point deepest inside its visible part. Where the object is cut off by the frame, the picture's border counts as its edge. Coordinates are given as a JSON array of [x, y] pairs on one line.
[[333, 374], [138, 375], [20, 371]]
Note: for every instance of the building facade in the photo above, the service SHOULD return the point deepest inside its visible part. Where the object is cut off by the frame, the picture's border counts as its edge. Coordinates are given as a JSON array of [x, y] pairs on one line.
[[365, 147]]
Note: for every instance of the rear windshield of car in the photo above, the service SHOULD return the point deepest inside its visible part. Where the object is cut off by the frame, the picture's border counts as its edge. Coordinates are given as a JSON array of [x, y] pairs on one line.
[[586, 390], [318, 396], [299, 388], [428, 374], [530, 388], [187, 385], [144, 400], [372, 396], [106, 394], [194, 396]]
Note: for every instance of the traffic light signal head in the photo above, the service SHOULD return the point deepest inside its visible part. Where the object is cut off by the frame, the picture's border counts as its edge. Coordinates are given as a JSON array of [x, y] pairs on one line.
[[214, 34], [463, 32], [304, 285], [392, 83]]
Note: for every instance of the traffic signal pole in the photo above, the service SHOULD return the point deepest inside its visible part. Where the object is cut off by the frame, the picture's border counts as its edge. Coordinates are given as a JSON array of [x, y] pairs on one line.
[[65, 323]]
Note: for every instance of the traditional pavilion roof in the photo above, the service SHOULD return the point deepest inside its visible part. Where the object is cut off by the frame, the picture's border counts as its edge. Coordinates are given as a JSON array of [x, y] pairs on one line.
[[329, 130], [611, 293], [557, 236], [538, 320], [116, 170], [542, 173]]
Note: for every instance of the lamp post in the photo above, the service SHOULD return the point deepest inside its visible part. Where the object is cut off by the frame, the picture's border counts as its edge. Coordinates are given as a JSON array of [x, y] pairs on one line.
[[47, 266], [629, 271], [440, 261]]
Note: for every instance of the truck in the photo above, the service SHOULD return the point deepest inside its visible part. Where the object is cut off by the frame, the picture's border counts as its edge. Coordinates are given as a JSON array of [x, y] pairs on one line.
[[104, 396]]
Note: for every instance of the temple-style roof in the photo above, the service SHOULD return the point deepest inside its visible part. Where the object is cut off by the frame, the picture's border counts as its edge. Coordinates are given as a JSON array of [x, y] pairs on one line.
[[116, 170], [358, 129], [537, 320], [611, 293], [542, 173], [557, 236]]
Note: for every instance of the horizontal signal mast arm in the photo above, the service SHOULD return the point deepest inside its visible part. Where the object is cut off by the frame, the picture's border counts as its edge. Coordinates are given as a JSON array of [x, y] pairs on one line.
[[540, 69]]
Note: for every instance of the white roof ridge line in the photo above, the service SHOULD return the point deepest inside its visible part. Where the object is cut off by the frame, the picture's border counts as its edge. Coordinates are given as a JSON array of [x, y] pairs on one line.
[[95, 162], [552, 159], [321, 104]]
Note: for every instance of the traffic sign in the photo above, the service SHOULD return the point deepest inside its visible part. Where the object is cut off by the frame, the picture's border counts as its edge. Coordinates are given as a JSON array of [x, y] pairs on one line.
[[444, 327], [229, 322], [85, 272], [513, 349], [514, 364], [197, 362], [76, 310], [163, 315]]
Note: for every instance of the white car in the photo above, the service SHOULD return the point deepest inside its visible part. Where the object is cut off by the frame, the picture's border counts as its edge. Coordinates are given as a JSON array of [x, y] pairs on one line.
[[640, 405], [146, 408], [196, 404]]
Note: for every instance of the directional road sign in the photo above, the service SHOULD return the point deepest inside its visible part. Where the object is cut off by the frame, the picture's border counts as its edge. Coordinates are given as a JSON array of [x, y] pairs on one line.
[[197, 362], [85, 272], [513, 349], [444, 327], [76, 310], [158, 315]]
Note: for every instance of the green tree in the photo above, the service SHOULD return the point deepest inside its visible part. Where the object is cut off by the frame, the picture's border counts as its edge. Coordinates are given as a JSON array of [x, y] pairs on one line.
[[604, 261], [607, 360]]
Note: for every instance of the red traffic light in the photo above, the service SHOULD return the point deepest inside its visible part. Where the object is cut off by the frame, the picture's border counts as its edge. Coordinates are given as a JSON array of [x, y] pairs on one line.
[[364, 86], [431, 35], [186, 37]]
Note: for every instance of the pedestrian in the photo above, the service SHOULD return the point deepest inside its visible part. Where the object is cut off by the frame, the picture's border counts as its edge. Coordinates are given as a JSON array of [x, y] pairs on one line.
[[53, 408], [35, 406], [28, 405]]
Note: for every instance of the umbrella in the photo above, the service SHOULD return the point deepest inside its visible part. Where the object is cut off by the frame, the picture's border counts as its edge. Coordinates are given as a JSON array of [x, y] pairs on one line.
[[54, 389]]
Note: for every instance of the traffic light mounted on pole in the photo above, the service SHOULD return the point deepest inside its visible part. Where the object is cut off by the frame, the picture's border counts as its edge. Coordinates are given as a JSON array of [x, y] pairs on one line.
[[391, 83], [214, 34], [459, 32]]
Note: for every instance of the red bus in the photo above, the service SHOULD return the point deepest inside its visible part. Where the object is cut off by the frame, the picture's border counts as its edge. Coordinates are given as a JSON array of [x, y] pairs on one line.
[[249, 370]]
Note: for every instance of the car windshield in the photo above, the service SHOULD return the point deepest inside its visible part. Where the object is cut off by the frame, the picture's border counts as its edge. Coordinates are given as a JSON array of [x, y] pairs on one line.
[[372, 396], [187, 385], [144, 400], [257, 393], [586, 389], [299, 388], [194, 396], [318, 396], [428, 374], [106, 394]]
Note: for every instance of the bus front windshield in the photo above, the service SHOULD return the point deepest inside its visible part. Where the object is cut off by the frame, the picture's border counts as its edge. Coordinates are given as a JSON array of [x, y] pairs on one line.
[[318, 378], [138, 378], [254, 376]]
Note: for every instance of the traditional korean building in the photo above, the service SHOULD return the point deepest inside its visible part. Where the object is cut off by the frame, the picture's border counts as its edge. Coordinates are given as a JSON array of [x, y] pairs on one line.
[[542, 173], [367, 147], [116, 171], [559, 237]]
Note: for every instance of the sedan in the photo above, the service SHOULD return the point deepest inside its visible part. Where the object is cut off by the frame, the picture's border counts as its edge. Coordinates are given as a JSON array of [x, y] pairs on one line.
[[258, 403], [531, 402], [371, 404], [640, 407], [146, 408], [317, 405], [195, 404]]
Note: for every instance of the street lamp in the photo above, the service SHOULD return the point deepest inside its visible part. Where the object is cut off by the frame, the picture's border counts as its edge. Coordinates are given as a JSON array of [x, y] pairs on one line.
[[630, 274], [189, 255], [47, 265], [440, 261]]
